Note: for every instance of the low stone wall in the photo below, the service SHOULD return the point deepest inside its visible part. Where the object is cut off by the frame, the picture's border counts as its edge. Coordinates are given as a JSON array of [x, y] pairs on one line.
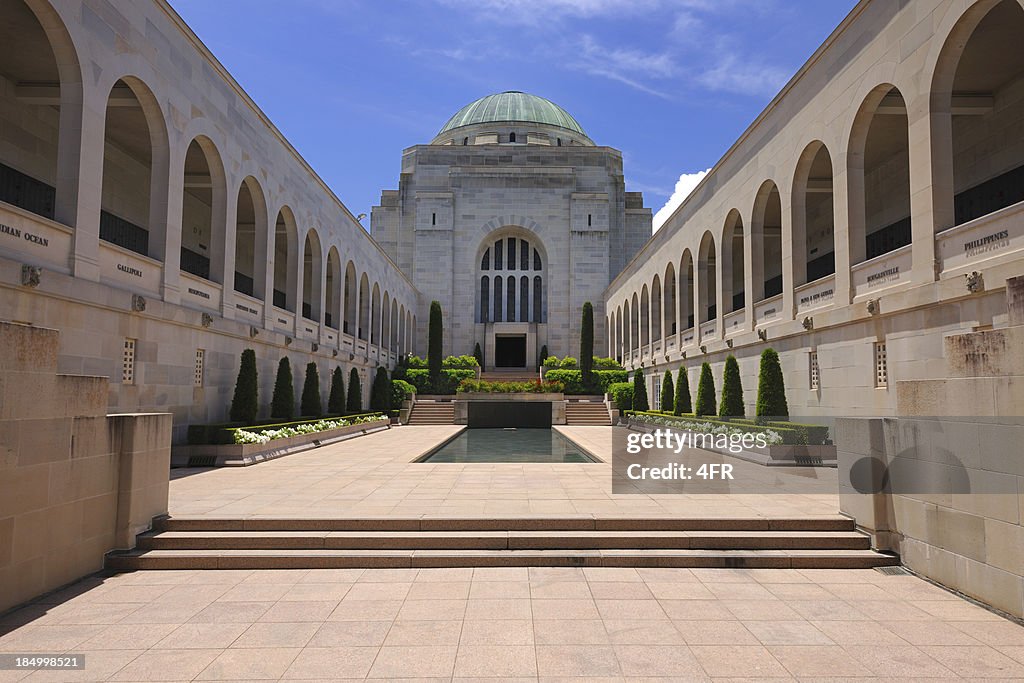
[[75, 483], [241, 455], [461, 403]]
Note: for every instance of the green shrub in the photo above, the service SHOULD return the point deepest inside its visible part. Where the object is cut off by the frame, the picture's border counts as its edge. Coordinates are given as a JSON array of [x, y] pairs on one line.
[[771, 389], [460, 362], [435, 337], [732, 390], [400, 391], [668, 393], [336, 399], [380, 392], [478, 354], [538, 387], [587, 342], [311, 405], [282, 403], [622, 394], [573, 380], [607, 364], [245, 404], [705, 392], [640, 401], [354, 403], [551, 362], [416, 362], [543, 354], [682, 403], [448, 383]]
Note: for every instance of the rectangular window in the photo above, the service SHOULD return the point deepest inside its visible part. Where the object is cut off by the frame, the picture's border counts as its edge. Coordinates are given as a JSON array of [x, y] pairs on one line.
[[814, 374], [128, 362], [881, 365], [654, 392], [199, 368]]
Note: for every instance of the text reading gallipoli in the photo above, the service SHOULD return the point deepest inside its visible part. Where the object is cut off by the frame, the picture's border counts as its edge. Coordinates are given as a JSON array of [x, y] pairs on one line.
[[668, 440]]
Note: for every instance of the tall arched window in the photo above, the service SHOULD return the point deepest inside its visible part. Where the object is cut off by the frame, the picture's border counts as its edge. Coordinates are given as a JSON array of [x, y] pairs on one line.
[[511, 299]]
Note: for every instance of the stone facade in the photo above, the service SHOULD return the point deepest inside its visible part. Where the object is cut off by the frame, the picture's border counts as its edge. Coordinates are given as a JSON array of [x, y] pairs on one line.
[[542, 185], [872, 210]]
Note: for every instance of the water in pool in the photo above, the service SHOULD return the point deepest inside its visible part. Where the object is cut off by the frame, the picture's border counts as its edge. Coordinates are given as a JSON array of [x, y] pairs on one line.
[[509, 445]]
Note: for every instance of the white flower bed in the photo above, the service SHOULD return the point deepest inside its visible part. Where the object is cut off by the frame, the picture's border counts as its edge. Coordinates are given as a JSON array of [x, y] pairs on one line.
[[772, 437], [243, 436]]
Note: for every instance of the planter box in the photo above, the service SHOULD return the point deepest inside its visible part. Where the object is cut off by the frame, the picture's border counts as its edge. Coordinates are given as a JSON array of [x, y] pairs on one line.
[[241, 455], [782, 455]]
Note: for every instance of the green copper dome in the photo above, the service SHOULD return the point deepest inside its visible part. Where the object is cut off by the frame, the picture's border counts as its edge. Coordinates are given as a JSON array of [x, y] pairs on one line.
[[513, 106]]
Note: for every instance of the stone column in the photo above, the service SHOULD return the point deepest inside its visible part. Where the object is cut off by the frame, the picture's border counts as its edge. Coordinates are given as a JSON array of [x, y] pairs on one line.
[[229, 215], [166, 210], [931, 182], [80, 161], [786, 248]]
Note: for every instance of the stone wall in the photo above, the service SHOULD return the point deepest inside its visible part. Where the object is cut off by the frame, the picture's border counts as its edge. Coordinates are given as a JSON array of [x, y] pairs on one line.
[[952, 503], [75, 483]]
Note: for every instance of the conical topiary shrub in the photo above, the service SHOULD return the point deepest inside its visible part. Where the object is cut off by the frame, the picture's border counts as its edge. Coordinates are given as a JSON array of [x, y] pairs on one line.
[[282, 403], [543, 355], [354, 404], [706, 391], [380, 392], [771, 389], [311, 405], [732, 390], [587, 345], [435, 339], [336, 399], [682, 402], [668, 394], [640, 402], [479, 355], [245, 403]]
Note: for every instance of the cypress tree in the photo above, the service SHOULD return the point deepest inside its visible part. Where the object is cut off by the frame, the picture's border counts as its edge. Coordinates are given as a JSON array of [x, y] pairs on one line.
[[706, 391], [771, 388], [311, 404], [640, 402], [434, 344], [282, 403], [354, 404], [336, 399], [682, 404], [732, 390], [668, 393], [543, 355], [380, 392], [479, 355], [245, 403], [587, 344]]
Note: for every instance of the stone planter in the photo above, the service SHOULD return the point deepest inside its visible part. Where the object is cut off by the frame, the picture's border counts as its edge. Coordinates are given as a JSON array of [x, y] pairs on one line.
[[241, 455], [784, 455]]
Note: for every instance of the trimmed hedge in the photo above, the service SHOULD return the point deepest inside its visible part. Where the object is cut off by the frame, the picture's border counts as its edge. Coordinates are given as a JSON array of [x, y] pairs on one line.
[[570, 363], [668, 393], [282, 402], [449, 382], [311, 404], [587, 342], [771, 388], [682, 403], [482, 386], [640, 401], [573, 380], [622, 394], [434, 337], [354, 401], [400, 391], [380, 391], [224, 433], [336, 399]]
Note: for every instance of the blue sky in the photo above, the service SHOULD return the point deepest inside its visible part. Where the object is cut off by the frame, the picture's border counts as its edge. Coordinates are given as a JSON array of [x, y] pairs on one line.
[[672, 83]]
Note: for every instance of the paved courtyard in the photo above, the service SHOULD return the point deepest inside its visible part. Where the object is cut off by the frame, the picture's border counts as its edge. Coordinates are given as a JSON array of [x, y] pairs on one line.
[[521, 623], [375, 476]]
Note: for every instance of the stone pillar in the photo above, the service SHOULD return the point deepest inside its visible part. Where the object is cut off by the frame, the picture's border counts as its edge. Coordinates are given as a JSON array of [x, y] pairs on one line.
[[841, 216], [931, 182], [168, 212], [142, 442], [87, 162], [229, 215], [786, 249]]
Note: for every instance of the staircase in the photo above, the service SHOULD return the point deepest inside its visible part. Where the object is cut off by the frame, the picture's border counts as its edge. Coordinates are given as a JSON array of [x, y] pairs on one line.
[[432, 413], [199, 543], [587, 411]]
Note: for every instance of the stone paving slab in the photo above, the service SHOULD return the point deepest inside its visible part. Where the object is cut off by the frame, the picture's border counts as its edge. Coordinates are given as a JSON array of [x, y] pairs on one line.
[[374, 477], [514, 623]]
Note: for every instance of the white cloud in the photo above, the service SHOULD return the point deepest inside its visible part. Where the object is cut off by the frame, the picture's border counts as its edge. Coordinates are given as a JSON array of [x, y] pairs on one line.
[[744, 77], [624, 65], [684, 186]]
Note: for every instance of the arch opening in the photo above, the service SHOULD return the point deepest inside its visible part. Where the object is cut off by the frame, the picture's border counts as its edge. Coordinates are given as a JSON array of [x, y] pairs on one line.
[[285, 267]]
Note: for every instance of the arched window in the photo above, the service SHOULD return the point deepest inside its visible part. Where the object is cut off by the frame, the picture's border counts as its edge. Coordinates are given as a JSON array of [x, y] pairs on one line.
[[510, 299], [538, 299], [285, 267], [511, 137], [250, 239], [202, 240]]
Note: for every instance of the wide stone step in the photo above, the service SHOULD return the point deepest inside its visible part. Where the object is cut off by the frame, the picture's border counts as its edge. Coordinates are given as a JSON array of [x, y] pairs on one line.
[[583, 522], [313, 559], [503, 540]]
